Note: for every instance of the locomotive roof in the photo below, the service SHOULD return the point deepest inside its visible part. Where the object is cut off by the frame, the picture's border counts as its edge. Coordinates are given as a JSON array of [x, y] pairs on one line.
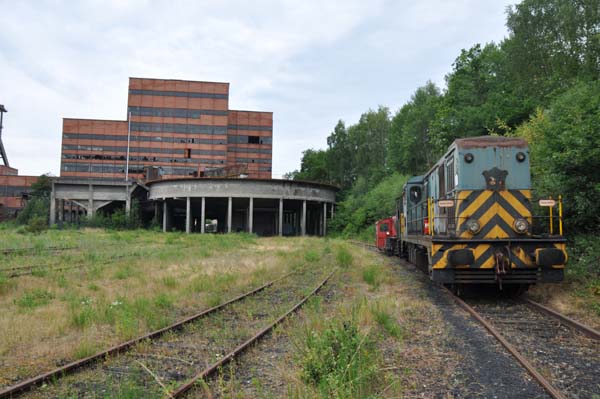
[[490, 141]]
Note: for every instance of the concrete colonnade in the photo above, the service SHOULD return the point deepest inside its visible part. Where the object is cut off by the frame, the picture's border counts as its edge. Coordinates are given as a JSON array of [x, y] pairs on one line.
[[296, 221]]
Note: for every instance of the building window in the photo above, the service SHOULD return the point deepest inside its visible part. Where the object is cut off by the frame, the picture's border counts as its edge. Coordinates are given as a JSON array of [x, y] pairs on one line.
[[253, 140], [187, 153]]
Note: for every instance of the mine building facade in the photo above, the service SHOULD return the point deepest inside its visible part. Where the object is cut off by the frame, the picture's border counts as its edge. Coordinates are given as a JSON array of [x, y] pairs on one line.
[[175, 128], [192, 163]]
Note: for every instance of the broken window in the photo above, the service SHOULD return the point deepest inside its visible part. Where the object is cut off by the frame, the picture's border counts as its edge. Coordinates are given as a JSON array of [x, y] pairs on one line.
[[253, 140]]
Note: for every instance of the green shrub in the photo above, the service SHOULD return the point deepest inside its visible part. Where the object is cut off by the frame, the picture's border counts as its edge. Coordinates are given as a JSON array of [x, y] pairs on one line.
[[339, 361], [343, 257], [371, 275]]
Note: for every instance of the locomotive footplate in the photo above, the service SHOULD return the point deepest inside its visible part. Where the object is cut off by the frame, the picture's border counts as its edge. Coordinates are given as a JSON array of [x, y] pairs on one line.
[[488, 276]]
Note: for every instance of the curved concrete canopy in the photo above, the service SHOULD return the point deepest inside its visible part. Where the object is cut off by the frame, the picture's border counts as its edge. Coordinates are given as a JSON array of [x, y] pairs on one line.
[[241, 188]]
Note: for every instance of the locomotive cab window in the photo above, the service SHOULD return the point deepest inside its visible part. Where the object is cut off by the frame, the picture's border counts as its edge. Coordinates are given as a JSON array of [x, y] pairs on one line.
[[415, 194], [450, 182], [384, 227]]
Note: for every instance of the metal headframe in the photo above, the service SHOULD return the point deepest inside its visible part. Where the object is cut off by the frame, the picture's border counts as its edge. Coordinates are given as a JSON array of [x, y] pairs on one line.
[[2, 151]]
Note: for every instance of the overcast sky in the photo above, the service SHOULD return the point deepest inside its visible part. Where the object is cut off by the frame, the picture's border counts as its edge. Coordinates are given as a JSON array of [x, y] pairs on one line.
[[309, 62]]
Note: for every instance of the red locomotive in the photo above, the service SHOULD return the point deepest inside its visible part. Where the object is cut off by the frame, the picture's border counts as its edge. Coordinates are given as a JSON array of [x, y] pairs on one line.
[[386, 235]]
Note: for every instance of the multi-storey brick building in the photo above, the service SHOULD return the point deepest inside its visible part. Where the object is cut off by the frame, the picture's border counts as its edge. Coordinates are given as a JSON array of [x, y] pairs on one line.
[[183, 128]]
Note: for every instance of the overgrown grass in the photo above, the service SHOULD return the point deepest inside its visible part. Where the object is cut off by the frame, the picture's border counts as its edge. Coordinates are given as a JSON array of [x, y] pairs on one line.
[[387, 321], [343, 257], [339, 359], [372, 276], [34, 298]]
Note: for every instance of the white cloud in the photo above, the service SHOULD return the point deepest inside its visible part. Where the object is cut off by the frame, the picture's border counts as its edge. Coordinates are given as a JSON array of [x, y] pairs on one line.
[[310, 62]]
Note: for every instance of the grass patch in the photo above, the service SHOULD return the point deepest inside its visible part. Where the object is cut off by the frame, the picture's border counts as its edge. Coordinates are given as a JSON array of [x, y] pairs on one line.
[[339, 360], [170, 282], [372, 276], [85, 349], [387, 321], [312, 256], [343, 258], [34, 298]]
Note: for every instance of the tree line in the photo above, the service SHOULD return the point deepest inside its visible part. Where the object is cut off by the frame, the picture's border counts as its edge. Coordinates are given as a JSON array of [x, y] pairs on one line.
[[541, 82]]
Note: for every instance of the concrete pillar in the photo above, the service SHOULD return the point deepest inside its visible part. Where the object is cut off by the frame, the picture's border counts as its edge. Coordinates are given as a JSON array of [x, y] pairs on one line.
[[156, 211], [332, 210], [303, 219], [188, 215], [324, 218], [280, 217], [90, 208], [71, 211], [127, 201], [202, 215], [61, 211], [251, 215], [229, 211], [165, 211], [52, 206]]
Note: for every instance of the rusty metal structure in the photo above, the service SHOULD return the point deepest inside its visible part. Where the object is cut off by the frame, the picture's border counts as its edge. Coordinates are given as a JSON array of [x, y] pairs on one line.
[[14, 189]]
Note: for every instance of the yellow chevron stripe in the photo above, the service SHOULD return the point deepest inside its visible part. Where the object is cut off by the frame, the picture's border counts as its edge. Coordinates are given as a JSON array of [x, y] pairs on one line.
[[443, 262], [503, 213], [497, 232], [484, 196], [489, 263], [520, 253], [485, 218], [479, 250], [526, 193], [464, 194], [515, 203]]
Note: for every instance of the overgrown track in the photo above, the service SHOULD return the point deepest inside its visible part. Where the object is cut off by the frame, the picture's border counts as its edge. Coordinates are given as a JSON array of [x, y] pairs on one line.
[[73, 367], [563, 355], [29, 250], [168, 362], [363, 244], [19, 271], [213, 368]]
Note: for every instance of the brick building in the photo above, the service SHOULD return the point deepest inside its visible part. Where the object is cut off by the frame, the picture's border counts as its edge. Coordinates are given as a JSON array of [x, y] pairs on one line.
[[14, 190], [177, 128]]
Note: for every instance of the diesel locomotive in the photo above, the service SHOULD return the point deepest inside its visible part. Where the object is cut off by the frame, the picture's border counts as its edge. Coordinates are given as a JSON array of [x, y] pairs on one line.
[[472, 219]]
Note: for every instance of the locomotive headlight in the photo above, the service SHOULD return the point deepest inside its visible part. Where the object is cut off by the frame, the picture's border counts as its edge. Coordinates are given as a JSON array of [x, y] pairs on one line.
[[520, 156], [473, 226], [521, 225]]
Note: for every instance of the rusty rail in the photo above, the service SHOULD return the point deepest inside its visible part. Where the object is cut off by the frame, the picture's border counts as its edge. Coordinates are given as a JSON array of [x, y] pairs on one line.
[[7, 251], [590, 332], [231, 355], [555, 393], [73, 366], [363, 244]]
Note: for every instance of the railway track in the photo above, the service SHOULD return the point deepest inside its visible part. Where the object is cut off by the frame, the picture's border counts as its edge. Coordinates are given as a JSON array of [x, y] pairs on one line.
[[10, 251], [18, 271], [169, 362], [562, 354], [561, 357]]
